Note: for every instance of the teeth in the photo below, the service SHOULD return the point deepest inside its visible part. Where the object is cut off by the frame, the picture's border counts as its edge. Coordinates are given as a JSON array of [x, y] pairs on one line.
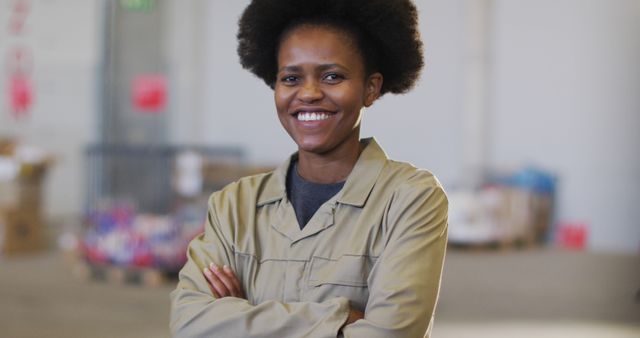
[[312, 116]]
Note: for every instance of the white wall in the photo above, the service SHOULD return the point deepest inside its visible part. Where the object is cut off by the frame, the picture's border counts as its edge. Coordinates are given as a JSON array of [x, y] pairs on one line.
[[566, 96], [186, 41], [64, 38]]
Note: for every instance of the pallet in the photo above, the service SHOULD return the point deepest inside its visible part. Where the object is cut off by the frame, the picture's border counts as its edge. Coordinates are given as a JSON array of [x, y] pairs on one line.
[[122, 275]]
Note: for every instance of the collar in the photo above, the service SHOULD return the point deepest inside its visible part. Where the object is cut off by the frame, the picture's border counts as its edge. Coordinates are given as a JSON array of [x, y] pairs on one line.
[[356, 189]]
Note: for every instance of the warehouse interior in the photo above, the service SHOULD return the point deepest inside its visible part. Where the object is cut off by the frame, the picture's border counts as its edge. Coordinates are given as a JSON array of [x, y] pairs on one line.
[[134, 111]]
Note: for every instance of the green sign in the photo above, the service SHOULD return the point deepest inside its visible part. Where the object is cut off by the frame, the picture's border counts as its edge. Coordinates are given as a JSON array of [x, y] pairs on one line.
[[138, 5]]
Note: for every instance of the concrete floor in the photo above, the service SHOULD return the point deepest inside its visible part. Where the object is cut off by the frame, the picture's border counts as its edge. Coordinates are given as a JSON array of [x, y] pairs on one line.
[[533, 293], [539, 293]]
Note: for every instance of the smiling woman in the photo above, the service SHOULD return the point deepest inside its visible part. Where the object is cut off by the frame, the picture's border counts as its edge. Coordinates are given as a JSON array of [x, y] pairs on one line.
[[339, 241], [320, 91]]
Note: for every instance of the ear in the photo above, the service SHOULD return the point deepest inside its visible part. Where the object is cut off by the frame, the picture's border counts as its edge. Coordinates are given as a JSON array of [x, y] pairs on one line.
[[373, 85]]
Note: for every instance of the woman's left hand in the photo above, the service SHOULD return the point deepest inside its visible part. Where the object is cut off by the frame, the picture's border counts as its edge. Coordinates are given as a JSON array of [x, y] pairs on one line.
[[223, 282]]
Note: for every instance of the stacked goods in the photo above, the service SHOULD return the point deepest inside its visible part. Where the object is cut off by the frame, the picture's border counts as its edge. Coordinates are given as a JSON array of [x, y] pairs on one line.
[[22, 173], [120, 236], [514, 208], [528, 209], [146, 203]]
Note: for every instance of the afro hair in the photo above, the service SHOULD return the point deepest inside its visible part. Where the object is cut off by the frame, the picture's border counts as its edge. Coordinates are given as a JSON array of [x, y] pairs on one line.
[[386, 32]]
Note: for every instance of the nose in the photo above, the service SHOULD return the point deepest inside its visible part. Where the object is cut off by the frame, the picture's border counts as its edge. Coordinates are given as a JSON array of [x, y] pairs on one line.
[[310, 92]]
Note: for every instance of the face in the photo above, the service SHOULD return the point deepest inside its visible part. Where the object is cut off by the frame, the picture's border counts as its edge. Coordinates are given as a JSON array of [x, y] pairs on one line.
[[321, 89]]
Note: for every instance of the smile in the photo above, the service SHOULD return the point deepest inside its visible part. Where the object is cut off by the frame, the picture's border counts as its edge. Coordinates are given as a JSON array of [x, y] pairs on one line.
[[314, 116]]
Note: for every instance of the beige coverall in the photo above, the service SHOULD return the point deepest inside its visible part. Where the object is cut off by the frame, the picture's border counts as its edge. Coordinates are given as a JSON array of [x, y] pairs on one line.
[[378, 245]]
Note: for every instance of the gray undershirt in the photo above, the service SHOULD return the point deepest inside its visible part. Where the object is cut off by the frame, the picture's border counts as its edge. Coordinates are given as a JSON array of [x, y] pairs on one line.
[[307, 197]]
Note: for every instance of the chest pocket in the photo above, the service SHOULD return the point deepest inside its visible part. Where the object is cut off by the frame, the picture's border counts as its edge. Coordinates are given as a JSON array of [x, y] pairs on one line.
[[343, 277], [348, 270]]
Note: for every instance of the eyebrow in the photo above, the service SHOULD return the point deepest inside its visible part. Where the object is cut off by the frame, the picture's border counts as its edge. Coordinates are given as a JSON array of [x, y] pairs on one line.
[[321, 67]]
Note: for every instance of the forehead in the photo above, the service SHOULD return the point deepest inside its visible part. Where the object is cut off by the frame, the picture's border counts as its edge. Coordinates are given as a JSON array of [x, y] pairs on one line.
[[318, 43]]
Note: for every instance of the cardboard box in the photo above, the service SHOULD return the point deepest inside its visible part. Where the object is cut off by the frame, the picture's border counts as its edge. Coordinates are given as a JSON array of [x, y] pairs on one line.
[[20, 231]]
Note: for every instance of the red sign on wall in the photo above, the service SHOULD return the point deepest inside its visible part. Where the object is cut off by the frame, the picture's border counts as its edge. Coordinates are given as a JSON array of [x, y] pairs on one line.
[[20, 95], [19, 62], [572, 235], [149, 93]]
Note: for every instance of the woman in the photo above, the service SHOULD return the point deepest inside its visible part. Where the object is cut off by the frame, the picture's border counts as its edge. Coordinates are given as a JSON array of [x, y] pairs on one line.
[[339, 240]]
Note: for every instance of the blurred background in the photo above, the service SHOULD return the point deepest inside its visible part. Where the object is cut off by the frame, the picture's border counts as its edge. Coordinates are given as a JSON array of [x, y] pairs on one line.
[[119, 117]]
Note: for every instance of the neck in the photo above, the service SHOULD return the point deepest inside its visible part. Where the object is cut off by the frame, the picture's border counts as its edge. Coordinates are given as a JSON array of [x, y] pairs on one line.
[[329, 168]]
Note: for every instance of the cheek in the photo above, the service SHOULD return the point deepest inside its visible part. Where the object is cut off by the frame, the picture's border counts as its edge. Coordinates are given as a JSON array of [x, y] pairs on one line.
[[351, 100], [282, 99], [277, 98], [282, 104]]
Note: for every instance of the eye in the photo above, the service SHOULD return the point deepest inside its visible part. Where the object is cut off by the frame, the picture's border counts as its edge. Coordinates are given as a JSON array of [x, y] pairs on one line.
[[333, 78], [289, 79]]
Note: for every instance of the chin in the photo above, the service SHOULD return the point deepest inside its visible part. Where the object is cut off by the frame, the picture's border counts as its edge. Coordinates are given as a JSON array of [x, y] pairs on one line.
[[316, 149], [312, 146]]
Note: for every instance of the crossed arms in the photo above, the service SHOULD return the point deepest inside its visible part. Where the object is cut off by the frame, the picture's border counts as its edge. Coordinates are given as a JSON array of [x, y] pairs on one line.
[[403, 285]]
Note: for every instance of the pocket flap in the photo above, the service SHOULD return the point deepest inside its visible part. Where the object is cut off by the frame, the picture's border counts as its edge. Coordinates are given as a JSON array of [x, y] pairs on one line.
[[351, 270]]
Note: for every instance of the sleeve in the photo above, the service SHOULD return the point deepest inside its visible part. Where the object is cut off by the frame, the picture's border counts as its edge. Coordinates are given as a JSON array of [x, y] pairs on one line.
[[196, 313], [405, 280]]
